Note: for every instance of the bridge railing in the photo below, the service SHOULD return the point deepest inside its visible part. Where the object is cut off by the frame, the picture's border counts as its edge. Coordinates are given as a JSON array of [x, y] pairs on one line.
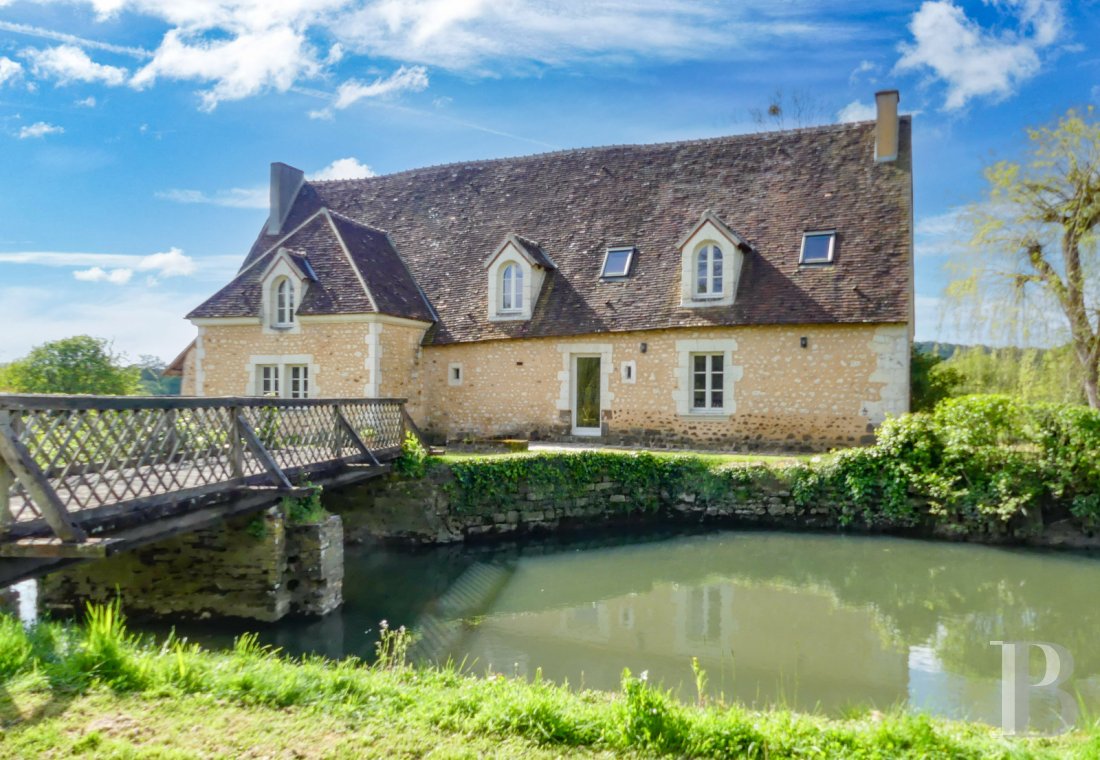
[[67, 459]]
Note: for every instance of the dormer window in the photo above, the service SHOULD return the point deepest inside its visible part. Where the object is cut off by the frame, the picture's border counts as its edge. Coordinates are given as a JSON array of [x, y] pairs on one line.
[[817, 247], [709, 271], [711, 255], [515, 273], [616, 262], [511, 288], [283, 302]]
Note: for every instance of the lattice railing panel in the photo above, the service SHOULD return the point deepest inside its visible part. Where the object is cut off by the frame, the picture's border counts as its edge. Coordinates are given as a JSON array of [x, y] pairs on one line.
[[379, 424], [99, 452]]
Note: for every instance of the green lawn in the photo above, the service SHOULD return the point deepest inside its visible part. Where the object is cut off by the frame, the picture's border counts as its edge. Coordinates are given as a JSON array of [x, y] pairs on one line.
[[771, 460]]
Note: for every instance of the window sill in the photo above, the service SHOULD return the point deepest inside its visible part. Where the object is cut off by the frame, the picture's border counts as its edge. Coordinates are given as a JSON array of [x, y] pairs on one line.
[[702, 303]]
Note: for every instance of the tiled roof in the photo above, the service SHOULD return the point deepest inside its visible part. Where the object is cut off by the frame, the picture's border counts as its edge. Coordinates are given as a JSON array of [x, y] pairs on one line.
[[369, 277], [768, 187]]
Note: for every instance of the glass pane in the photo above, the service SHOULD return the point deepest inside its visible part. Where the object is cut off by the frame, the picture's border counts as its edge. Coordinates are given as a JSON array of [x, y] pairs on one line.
[[701, 272], [517, 288], [700, 381], [616, 263], [700, 401], [815, 248], [716, 362], [716, 399], [588, 391], [700, 364], [716, 262]]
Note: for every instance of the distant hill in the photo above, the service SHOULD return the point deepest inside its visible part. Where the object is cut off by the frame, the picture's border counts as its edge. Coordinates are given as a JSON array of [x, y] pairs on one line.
[[945, 350]]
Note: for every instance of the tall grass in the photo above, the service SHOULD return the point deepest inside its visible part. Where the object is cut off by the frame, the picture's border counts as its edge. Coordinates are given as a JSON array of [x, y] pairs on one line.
[[101, 654]]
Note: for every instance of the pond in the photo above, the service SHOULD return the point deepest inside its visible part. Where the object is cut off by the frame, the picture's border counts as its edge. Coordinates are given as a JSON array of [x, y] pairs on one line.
[[807, 621]]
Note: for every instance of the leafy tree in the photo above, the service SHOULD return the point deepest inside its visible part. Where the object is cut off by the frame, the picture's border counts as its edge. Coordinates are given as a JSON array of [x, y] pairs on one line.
[[1036, 243], [151, 377], [930, 381], [81, 364]]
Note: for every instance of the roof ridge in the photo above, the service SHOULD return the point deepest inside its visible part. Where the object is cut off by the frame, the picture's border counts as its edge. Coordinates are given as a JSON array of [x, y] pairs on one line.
[[346, 218], [605, 148]]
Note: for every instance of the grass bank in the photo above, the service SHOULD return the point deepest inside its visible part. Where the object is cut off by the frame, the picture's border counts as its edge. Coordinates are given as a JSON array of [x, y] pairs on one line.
[[95, 690]]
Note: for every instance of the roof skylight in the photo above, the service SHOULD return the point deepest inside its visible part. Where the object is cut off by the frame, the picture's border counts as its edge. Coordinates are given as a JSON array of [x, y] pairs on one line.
[[616, 262]]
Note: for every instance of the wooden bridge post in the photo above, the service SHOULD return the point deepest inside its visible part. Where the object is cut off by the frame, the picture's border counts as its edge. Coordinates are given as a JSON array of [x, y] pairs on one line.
[[7, 480], [236, 446]]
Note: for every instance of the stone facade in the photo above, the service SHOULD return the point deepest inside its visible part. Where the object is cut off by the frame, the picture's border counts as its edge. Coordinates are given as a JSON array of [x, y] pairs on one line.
[[258, 568], [803, 387], [780, 395]]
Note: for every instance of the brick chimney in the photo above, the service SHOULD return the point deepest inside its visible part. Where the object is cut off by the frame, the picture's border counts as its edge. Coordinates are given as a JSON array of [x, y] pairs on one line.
[[886, 125], [286, 181]]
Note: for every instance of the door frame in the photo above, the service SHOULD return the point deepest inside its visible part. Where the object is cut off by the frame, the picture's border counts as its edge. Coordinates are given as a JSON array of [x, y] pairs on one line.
[[586, 431]]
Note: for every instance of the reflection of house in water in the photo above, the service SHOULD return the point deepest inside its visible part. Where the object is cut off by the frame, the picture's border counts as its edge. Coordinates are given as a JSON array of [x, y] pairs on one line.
[[758, 643]]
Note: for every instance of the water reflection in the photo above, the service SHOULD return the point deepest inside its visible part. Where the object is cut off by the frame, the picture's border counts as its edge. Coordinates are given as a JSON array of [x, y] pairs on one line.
[[810, 621]]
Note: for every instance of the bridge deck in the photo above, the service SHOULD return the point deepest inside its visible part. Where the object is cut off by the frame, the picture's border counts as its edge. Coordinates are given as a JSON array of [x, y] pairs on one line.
[[79, 475]]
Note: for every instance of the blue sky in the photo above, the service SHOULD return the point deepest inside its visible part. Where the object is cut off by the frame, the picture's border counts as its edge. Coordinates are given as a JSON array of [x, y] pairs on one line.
[[136, 134]]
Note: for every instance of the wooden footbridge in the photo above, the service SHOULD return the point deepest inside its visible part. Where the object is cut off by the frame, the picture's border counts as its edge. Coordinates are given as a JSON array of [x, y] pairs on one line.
[[83, 477]]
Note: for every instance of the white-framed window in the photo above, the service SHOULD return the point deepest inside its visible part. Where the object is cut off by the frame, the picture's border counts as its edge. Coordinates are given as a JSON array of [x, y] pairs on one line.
[[511, 288], [708, 376], [298, 380], [818, 247], [267, 380], [282, 302], [616, 262], [454, 374], [708, 271], [628, 371]]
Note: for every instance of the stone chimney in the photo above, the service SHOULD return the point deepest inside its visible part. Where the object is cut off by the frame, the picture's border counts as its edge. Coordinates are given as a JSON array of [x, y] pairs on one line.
[[285, 183], [886, 125]]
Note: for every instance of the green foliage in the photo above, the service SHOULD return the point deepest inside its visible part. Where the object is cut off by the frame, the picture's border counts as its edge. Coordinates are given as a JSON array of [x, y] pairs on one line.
[[307, 510], [976, 464], [437, 705], [1033, 258], [1030, 374], [930, 383], [72, 365], [413, 461], [152, 379]]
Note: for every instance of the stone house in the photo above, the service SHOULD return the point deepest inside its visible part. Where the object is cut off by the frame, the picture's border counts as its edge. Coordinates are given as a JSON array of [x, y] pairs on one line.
[[745, 291]]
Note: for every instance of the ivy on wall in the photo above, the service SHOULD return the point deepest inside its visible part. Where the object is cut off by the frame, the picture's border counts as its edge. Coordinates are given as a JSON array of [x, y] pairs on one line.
[[976, 463]]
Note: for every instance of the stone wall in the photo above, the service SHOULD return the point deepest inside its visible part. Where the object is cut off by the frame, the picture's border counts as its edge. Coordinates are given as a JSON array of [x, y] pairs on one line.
[[430, 511], [347, 359], [258, 568], [781, 395], [426, 511]]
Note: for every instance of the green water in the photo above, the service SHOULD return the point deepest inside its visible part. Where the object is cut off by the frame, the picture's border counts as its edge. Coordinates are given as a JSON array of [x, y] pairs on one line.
[[812, 622]]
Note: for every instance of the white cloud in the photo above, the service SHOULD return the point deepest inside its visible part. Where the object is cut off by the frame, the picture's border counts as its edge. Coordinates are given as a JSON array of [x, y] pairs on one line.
[[1096, 94], [343, 168], [237, 197], [171, 263], [72, 39], [856, 111], [98, 274], [978, 62], [67, 64], [88, 102], [9, 70], [865, 68], [406, 78], [39, 129], [944, 234], [479, 34], [249, 63]]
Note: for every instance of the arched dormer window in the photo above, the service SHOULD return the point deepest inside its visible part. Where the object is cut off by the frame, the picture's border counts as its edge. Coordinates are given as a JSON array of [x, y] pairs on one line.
[[511, 288], [283, 302], [708, 271]]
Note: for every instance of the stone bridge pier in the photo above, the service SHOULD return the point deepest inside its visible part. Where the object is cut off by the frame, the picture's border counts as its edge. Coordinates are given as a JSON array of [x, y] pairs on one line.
[[257, 567]]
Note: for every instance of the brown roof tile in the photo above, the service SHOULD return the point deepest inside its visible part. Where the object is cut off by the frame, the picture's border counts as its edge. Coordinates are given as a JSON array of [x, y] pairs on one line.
[[768, 187]]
